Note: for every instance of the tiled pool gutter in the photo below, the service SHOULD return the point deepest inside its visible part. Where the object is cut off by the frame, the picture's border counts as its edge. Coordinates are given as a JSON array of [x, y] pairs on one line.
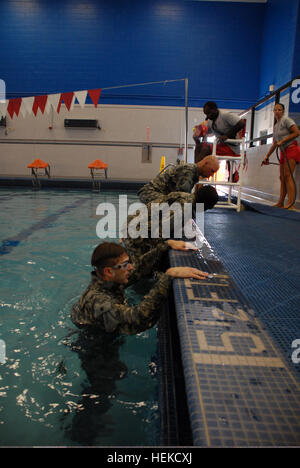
[[240, 390], [71, 183]]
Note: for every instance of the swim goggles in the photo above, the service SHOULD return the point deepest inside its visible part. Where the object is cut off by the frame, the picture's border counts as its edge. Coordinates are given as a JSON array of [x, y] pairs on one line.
[[120, 266]]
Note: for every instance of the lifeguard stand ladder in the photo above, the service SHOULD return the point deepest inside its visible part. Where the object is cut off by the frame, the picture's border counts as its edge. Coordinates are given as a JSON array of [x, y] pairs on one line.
[[97, 169], [231, 185], [38, 169]]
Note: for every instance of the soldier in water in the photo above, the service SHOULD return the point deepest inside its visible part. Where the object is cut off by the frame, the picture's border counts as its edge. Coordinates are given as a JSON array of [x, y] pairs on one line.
[[104, 304]]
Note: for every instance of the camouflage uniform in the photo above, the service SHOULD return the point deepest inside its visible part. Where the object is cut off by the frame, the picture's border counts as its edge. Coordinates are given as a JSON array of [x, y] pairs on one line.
[[140, 247], [180, 178], [176, 197], [104, 303]]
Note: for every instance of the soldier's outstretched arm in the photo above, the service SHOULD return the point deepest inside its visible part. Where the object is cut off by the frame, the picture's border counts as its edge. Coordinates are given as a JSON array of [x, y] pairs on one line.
[[130, 320], [144, 264]]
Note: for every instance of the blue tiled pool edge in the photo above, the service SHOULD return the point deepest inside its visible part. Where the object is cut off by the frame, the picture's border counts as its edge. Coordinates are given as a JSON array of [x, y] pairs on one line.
[[236, 396]]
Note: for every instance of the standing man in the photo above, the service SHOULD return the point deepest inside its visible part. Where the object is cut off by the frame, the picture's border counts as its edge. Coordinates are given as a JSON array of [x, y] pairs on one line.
[[224, 125]]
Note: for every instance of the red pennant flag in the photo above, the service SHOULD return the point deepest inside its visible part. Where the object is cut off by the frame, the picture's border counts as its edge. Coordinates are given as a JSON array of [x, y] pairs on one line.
[[67, 98], [95, 95], [10, 108], [59, 104], [39, 103], [14, 106]]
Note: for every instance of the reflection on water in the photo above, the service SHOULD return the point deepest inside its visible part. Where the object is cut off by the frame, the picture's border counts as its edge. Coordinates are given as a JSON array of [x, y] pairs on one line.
[[60, 385], [99, 357]]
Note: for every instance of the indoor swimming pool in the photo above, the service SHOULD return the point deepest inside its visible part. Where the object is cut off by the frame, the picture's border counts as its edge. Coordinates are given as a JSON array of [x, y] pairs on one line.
[[58, 386], [179, 384]]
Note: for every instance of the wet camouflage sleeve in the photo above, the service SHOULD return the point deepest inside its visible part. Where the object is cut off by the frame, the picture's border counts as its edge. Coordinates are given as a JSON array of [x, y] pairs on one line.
[[90, 307], [180, 178], [142, 317], [146, 255], [179, 197], [109, 310]]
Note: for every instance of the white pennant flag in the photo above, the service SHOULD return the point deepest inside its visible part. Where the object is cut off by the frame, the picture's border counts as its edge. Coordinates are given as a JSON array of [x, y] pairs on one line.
[[26, 106], [81, 97], [3, 108], [72, 103], [48, 106], [23, 110], [53, 100]]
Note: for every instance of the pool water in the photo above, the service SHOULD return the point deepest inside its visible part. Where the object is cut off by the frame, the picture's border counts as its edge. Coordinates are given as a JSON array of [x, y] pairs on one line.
[[58, 385]]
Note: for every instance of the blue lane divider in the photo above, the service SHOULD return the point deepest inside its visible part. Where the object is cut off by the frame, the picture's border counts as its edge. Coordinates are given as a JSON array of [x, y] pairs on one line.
[[8, 245]]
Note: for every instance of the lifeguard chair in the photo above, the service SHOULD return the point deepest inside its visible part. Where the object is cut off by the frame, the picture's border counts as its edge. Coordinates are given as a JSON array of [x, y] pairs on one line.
[[97, 169], [39, 168], [235, 180]]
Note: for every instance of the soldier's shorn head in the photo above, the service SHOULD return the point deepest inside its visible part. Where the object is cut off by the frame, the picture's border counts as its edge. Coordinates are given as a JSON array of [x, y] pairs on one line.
[[111, 262]]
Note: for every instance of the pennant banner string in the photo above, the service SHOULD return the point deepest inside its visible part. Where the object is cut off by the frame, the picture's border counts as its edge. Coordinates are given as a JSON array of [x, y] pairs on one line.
[[44, 102]]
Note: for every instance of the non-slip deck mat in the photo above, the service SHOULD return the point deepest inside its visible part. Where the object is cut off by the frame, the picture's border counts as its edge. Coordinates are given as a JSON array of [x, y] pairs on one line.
[[241, 389], [260, 249]]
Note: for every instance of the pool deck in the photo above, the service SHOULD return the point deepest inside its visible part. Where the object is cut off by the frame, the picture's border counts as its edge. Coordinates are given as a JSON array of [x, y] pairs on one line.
[[241, 389]]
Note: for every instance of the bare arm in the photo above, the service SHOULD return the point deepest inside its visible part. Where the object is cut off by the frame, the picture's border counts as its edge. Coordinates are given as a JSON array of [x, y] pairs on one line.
[[233, 131], [271, 150], [294, 133]]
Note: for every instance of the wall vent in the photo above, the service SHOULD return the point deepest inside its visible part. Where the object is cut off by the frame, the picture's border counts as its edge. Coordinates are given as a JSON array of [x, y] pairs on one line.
[[81, 123]]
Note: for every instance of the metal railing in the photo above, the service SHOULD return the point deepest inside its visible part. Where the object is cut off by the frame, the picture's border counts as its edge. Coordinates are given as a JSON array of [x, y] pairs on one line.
[[253, 108], [260, 138], [230, 203]]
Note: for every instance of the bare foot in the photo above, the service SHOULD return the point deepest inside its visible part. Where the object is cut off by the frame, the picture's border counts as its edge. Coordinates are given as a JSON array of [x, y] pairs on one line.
[[287, 207], [278, 205]]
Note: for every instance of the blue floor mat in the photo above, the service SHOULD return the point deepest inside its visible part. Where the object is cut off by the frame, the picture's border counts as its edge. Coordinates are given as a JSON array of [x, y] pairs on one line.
[[260, 248]]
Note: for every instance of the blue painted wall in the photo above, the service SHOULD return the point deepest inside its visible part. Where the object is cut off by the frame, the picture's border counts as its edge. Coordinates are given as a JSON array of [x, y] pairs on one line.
[[296, 67], [50, 46], [295, 95], [278, 45]]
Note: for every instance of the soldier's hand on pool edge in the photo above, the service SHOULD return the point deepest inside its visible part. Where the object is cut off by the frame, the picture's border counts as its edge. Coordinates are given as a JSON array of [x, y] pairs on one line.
[[186, 272], [180, 245]]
